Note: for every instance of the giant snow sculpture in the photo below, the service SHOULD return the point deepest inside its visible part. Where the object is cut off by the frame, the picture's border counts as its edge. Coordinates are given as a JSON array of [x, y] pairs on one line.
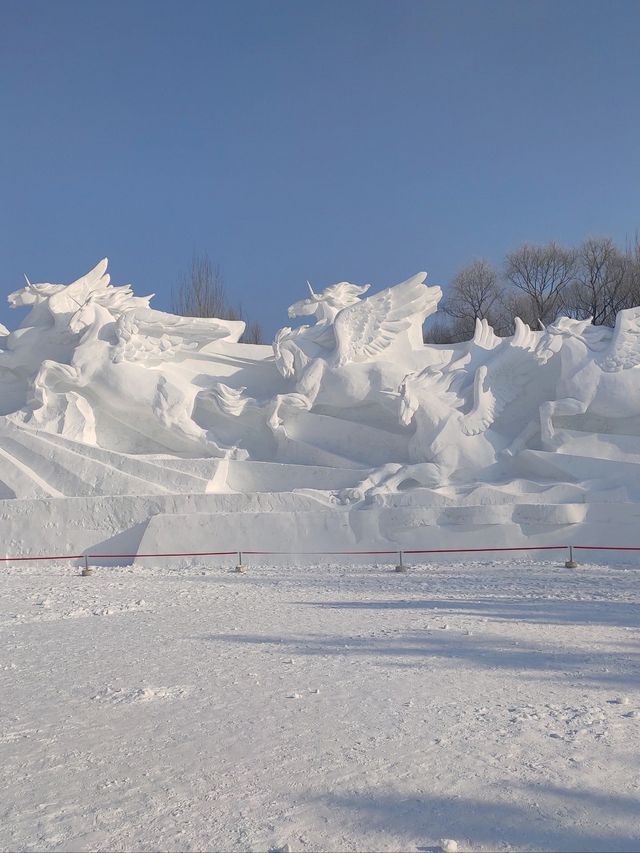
[[347, 428]]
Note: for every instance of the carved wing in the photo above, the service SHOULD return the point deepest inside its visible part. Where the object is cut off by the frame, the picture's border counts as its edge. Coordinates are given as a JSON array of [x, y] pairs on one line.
[[198, 331], [368, 327], [497, 384], [69, 298], [134, 345], [624, 350]]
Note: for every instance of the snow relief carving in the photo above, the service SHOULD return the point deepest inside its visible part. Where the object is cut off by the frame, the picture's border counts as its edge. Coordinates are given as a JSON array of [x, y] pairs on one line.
[[119, 398]]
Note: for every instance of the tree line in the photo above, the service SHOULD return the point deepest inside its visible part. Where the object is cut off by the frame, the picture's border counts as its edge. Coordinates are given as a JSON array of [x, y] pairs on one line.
[[202, 292], [539, 283], [536, 283]]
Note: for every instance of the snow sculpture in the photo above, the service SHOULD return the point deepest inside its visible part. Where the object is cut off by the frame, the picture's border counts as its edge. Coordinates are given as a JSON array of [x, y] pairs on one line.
[[356, 347], [102, 395], [597, 371], [114, 363], [448, 442]]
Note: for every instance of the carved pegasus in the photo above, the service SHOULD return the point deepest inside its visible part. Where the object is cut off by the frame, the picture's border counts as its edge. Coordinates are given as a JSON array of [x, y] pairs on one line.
[[599, 371], [351, 329], [345, 358], [119, 347], [453, 409]]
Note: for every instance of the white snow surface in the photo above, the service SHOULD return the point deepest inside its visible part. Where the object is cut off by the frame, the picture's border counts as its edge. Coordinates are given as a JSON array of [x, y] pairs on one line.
[[320, 707]]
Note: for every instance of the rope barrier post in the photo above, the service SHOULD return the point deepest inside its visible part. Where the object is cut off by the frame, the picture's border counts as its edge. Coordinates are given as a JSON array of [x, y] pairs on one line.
[[87, 570], [571, 563], [240, 569], [400, 567]]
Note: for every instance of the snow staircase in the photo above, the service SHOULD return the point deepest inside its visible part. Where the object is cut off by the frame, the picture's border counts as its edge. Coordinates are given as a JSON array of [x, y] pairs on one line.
[[37, 464], [173, 475], [566, 467], [17, 480]]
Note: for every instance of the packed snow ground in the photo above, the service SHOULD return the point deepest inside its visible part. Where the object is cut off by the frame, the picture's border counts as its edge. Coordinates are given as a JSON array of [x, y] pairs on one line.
[[328, 708]]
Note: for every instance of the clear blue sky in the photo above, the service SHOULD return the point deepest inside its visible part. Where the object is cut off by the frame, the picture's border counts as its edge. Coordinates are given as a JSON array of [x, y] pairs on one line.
[[322, 140]]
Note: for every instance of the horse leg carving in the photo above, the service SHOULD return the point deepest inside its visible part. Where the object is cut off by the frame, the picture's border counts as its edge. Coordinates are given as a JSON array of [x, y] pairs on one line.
[[548, 410], [274, 420], [52, 378], [522, 439], [390, 477], [428, 474], [374, 480]]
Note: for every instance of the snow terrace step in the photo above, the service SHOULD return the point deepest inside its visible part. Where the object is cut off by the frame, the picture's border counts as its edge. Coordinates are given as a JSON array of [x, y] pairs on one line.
[[68, 472], [170, 477], [20, 480], [250, 476]]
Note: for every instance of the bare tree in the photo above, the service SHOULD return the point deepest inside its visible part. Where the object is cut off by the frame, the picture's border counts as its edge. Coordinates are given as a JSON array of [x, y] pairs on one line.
[[252, 333], [601, 284], [439, 332], [542, 273], [632, 273], [473, 294], [202, 293], [516, 304], [597, 280]]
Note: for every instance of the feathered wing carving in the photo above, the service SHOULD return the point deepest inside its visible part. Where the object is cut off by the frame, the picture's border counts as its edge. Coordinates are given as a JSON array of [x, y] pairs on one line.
[[135, 345], [624, 350], [145, 334], [95, 285], [69, 298], [368, 327], [198, 331], [95, 279], [497, 384]]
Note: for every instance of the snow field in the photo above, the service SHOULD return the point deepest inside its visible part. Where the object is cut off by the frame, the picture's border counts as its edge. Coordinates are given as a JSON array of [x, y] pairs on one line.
[[494, 704]]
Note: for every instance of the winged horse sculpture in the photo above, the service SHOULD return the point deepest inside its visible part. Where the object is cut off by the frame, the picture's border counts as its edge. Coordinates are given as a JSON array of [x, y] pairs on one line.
[[453, 410], [348, 358], [599, 371]]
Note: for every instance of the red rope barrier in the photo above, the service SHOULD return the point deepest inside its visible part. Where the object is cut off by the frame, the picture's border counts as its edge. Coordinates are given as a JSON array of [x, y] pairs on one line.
[[410, 551], [65, 557], [604, 548], [177, 554], [315, 553], [480, 550], [109, 556], [89, 556]]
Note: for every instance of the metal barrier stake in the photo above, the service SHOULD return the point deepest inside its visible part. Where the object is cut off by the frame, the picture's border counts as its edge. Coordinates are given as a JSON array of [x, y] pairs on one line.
[[86, 571], [239, 568], [401, 566], [571, 563]]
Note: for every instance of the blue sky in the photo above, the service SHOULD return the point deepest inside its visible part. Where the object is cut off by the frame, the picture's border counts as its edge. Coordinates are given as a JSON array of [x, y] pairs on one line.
[[322, 140]]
